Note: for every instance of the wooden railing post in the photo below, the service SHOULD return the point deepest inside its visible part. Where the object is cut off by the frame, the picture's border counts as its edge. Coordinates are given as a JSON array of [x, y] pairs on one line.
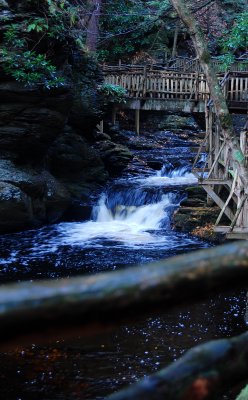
[[137, 121], [144, 81], [114, 112]]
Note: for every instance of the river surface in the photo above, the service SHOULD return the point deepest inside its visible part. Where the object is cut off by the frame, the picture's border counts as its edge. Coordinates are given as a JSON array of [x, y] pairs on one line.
[[130, 224]]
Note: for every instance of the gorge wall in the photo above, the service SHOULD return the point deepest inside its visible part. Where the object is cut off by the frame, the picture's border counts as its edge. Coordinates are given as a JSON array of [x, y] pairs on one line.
[[48, 161]]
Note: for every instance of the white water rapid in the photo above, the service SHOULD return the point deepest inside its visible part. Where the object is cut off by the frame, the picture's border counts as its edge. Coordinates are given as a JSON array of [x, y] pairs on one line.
[[131, 224], [176, 177], [126, 224]]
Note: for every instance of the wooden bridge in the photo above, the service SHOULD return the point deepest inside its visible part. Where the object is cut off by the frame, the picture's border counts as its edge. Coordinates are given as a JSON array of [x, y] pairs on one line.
[[219, 177], [155, 88]]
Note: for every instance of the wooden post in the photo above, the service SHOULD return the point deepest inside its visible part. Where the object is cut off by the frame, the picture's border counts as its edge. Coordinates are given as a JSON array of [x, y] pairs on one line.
[[114, 111], [243, 142], [210, 122], [216, 147], [137, 121], [101, 126]]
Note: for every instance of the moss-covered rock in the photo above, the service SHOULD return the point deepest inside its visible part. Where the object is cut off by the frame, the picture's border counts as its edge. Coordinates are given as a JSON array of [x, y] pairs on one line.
[[175, 122]]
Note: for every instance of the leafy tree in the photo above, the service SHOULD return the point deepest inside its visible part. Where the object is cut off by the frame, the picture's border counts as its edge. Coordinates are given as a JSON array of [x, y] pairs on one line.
[[31, 49], [235, 41], [127, 27]]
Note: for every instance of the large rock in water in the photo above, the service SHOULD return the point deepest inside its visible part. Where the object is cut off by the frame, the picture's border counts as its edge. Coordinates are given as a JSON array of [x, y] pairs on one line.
[[178, 122], [115, 156], [29, 197]]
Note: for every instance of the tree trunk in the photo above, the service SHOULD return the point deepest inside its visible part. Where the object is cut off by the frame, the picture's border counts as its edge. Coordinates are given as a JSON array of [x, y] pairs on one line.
[[31, 307], [202, 373], [174, 49], [217, 96], [93, 26]]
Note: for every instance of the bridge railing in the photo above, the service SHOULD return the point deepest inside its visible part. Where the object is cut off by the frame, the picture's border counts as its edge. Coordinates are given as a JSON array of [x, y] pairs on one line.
[[181, 64], [159, 84]]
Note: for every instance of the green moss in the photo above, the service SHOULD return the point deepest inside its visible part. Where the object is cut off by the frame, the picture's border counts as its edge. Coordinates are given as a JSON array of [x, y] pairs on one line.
[[205, 57], [226, 121]]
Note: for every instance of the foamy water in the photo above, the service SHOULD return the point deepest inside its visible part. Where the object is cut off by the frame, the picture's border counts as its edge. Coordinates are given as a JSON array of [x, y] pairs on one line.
[[179, 176], [127, 224]]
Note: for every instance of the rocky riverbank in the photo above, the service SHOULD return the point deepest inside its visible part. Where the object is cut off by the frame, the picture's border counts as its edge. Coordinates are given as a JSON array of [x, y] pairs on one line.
[[51, 158], [196, 217]]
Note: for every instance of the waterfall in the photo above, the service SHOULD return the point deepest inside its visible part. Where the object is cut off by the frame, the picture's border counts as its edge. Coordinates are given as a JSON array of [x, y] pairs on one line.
[[171, 177], [134, 213], [127, 223]]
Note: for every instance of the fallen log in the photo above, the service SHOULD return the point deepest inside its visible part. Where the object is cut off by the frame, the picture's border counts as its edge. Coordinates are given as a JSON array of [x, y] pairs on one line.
[[106, 298], [204, 372]]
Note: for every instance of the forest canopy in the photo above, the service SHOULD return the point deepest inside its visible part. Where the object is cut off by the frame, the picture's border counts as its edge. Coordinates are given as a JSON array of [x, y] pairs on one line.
[[143, 30]]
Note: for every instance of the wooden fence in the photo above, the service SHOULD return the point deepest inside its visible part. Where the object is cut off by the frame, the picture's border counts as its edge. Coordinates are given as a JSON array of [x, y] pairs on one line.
[[159, 84], [220, 179], [181, 64]]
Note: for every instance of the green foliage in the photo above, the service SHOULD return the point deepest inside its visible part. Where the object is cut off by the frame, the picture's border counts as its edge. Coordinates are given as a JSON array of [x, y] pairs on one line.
[[113, 93], [244, 394], [37, 25], [237, 38], [30, 68], [24, 65], [127, 27], [235, 41], [26, 43]]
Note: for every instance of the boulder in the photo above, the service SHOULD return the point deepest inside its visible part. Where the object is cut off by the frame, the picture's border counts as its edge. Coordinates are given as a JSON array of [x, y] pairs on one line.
[[115, 156], [15, 208], [30, 121], [175, 122], [29, 197], [76, 164]]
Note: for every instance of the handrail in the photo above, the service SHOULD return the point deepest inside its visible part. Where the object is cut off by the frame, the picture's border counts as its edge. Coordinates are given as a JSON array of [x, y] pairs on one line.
[[163, 84], [184, 64]]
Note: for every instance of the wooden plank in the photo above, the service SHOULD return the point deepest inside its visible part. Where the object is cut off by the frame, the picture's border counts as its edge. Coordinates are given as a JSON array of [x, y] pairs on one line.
[[219, 201], [216, 158], [232, 89], [237, 236], [226, 229], [240, 207], [216, 181], [228, 199], [137, 121]]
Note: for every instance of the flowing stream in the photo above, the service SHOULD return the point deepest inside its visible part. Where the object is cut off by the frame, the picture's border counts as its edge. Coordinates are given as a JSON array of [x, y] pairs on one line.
[[130, 224]]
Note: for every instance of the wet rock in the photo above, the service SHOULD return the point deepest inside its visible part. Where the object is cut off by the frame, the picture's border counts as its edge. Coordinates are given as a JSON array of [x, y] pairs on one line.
[[15, 208], [30, 121], [57, 198], [175, 122], [171, 122], [195, 217], [88, 104], [76, 164], [29, 197], [196, 197], [186, 219], [115, 156], [199, 221]]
